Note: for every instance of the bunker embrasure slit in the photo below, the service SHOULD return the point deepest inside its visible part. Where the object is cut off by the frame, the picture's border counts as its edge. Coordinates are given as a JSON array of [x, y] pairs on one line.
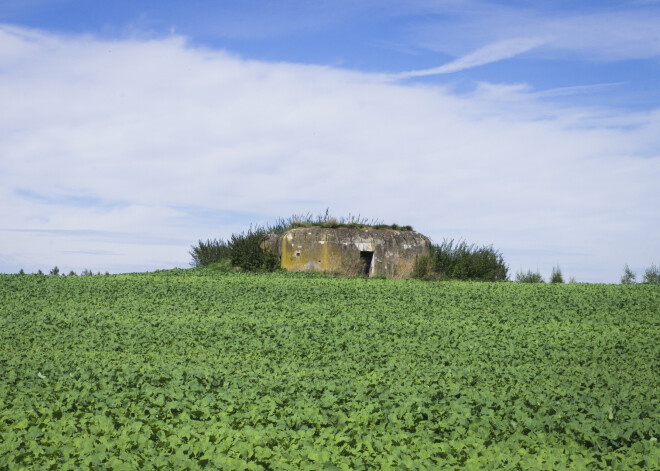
[[366, 257]]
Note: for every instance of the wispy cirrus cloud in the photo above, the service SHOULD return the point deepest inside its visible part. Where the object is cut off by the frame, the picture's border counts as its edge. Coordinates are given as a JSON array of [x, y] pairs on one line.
[[607, 34], [67, 199], [580, 89], [494, 52]]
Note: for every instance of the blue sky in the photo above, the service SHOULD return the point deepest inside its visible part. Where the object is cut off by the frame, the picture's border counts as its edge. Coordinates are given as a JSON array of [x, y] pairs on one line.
[[132, 129], [601, 45]]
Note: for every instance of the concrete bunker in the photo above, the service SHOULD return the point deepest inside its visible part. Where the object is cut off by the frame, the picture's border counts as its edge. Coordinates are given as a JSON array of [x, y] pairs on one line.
[[367, 252]]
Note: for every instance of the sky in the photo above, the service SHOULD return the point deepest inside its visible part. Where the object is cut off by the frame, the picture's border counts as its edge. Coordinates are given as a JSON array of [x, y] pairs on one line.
[[129, 130]]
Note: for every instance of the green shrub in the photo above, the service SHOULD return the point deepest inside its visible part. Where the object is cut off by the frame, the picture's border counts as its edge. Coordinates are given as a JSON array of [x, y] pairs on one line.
[[246, 251], [460, 261], [243, 250], [628, 277], [271, 261], [529, 277], [423, 268], [556, 276], [652, 275], [211, 251]]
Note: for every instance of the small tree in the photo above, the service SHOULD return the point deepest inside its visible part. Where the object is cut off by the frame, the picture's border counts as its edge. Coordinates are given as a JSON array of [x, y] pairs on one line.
[[55, 271], [628, 277], [72, 273], [21, 272], [556, 276], [529, 277], [39, 272], [652, 274]]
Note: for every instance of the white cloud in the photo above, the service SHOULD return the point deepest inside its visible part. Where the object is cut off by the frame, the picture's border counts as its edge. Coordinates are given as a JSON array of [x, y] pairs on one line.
[[113, 151], [491, 53]]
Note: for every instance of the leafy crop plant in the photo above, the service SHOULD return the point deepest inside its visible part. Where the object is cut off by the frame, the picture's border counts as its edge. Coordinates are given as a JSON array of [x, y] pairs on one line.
[[199, 369]]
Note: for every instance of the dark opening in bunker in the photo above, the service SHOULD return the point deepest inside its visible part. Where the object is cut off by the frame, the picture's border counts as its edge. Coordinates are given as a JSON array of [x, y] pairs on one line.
[[366, 257]]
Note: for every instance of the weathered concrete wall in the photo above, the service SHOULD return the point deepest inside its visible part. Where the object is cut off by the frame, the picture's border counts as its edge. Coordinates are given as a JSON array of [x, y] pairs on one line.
[[350, 251]]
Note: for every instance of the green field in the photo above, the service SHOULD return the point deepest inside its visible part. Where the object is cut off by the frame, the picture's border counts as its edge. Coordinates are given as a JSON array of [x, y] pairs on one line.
[[198, 369]]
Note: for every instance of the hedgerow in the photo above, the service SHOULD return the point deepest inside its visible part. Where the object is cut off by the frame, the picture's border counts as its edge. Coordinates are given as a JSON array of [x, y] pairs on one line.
[[456, 260]]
